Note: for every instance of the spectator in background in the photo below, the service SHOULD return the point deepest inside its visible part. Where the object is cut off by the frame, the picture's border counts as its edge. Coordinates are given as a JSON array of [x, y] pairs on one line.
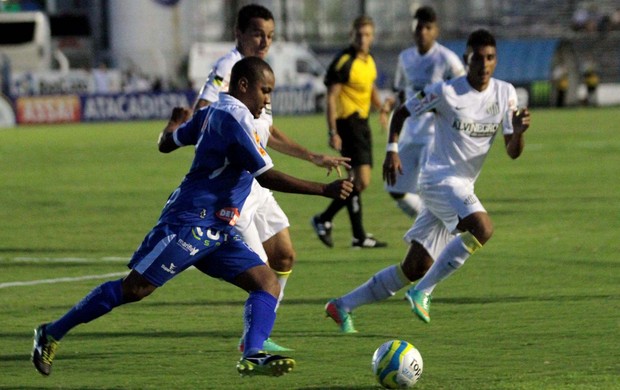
[[101, 78], [561, 84], [591, 80], [135, 81]]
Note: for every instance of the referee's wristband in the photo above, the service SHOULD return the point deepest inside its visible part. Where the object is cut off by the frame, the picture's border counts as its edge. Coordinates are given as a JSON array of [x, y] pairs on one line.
[[392, 147], [332, 133]]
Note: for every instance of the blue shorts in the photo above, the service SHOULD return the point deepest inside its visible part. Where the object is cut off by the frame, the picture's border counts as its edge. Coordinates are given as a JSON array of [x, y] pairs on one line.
[[170, 249]]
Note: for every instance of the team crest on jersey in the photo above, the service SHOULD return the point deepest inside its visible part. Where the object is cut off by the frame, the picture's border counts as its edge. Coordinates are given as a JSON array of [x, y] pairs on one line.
[[228, 214], [493, 109]]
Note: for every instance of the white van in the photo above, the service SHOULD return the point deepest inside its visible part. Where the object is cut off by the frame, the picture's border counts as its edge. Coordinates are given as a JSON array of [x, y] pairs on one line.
[[299, 74], [25, 40]]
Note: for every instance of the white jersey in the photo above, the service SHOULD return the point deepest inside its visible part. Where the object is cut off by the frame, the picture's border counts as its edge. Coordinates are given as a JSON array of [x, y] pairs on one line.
[[466, 122], [413, 73], [219, 80], [261, 217]]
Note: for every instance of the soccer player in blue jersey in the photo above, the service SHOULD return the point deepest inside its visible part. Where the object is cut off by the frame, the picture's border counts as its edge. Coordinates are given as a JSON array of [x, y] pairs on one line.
[[263, 224], [196, 226]]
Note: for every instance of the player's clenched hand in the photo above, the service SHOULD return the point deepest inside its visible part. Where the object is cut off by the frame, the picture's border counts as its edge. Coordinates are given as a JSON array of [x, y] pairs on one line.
[[331, 162], [180, 115], [339, 189], [391, 167], [521, 120]]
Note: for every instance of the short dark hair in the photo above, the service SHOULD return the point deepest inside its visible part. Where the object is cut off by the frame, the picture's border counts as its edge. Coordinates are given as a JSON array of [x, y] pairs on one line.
[[251, 68], [361, 21], [425, 14], [481, 37], [251, 11]]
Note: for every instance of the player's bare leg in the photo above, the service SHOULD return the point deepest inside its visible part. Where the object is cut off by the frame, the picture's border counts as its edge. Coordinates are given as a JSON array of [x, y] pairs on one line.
[[478, 229]]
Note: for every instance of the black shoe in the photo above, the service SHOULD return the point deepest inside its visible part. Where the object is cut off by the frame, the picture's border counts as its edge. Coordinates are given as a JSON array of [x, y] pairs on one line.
[[43, 350], [323, 230], [265, 364], [368, 242]]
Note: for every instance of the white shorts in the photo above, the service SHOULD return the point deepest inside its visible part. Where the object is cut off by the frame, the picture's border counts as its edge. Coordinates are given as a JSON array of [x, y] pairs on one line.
[[413, 146], [261, 218], [446, 203], [411, 156]]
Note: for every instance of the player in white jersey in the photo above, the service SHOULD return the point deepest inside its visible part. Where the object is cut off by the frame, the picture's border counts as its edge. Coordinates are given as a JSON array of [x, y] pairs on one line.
[[425, 63], [469, 112], [263, 225]]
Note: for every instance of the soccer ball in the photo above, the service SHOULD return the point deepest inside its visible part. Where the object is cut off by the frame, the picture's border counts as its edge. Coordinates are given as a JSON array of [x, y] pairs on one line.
[[397, 364]]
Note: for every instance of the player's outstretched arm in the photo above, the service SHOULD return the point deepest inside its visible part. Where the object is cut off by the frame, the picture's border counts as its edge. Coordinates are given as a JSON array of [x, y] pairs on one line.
[[279, 181], [515, 142], [283, 144], [179, 115]]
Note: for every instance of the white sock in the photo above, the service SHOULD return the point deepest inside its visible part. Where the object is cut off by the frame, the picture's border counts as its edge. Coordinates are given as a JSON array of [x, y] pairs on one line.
[[451, 258], [382, 285], [410, 204], [282, 279]]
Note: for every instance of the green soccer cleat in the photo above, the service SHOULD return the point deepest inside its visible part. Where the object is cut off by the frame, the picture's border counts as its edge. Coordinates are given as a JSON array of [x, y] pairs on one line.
[[265, 364], [269, 345], [342, 318], [43, 350], [420, 303]]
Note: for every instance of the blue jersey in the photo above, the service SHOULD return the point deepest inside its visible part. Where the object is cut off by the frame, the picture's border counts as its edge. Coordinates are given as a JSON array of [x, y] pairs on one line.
[[228, 156]]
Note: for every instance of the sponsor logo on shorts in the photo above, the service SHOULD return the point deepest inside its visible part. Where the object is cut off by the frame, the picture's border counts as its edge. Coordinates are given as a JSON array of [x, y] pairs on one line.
[[170, 268], [212, 236], [192, 250]]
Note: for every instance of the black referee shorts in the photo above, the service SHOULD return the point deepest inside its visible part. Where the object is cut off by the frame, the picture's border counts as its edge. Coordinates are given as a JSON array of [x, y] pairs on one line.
[[356, 139]]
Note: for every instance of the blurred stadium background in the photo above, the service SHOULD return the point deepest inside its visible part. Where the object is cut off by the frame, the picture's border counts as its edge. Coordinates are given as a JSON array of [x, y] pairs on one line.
[[106, 60]]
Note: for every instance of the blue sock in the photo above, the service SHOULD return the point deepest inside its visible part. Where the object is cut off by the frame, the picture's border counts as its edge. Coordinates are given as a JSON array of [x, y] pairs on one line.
[[259, 317], [98, 302]]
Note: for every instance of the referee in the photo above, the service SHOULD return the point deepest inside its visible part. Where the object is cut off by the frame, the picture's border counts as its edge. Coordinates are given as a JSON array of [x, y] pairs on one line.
[[351, 90]]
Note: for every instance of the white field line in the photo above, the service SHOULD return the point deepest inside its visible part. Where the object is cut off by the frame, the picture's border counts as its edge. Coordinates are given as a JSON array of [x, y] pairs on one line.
[[63, 260], [60, 280], [123, 260]]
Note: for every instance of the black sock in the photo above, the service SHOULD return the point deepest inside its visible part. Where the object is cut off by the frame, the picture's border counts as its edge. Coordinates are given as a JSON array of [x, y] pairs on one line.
[[334, 207], [354, 206]]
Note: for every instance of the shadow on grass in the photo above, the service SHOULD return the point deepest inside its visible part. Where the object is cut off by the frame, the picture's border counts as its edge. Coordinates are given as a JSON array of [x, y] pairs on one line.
[[144, 334], [338, 388], [321, 301]]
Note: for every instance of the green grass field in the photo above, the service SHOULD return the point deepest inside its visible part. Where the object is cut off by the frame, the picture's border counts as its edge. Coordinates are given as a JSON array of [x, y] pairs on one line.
[[537, 308]]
